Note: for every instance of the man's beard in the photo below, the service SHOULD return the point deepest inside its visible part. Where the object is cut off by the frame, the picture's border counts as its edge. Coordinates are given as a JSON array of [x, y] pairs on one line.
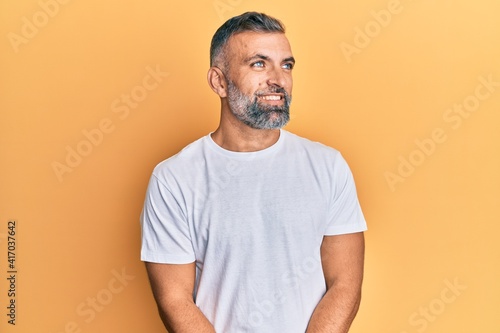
[[256, 114]]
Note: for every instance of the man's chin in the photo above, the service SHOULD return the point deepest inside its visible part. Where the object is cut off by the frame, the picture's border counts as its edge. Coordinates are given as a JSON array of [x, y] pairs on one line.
[[274, 121]]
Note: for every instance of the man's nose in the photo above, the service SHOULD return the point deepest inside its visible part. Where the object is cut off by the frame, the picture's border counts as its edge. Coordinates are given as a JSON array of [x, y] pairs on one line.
[[276, 77]]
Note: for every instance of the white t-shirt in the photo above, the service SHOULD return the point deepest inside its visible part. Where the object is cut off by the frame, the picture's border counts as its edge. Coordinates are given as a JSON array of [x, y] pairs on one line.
[[253, 222]]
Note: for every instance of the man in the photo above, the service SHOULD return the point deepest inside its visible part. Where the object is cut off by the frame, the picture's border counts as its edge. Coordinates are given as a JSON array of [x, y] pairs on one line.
[[252, 228]]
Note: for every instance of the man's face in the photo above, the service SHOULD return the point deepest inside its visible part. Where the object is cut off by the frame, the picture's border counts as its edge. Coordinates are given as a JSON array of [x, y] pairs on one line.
[[260, 78]]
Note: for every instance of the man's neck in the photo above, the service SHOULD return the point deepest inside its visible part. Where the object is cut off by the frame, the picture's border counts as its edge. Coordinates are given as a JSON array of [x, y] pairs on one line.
[[242, 138]]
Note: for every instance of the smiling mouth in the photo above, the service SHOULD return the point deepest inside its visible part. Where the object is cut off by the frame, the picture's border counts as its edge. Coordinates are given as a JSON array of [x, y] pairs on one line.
[[271, 97]]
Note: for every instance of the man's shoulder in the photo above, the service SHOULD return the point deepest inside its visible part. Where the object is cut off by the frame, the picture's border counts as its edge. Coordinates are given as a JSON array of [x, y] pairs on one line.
[[184, 160], [301, 143]]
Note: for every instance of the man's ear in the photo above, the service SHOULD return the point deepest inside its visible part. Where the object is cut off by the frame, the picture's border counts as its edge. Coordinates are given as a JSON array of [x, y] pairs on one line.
[[217, 81]]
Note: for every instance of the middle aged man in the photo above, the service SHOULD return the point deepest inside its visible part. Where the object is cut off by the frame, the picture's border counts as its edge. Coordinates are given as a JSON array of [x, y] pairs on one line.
[[252, 228]]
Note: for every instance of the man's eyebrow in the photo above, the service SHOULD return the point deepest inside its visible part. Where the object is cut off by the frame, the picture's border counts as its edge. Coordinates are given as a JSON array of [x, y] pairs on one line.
[[264, 57], [257, 56]]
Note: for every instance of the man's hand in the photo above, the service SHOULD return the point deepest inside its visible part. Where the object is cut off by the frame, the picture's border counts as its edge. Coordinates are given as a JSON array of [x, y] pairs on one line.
[[342, 257], [173, 286]]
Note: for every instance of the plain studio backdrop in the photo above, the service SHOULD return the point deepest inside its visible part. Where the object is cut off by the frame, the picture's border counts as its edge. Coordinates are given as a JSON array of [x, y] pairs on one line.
[[93, 94]]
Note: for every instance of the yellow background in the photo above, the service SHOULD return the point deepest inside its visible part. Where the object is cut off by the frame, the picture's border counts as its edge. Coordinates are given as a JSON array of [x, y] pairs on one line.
[[434, 226]]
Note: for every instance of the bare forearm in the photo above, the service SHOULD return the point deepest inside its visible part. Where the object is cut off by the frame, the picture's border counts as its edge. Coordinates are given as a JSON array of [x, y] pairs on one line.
[[336, 311], [184, 316], [172, 286]]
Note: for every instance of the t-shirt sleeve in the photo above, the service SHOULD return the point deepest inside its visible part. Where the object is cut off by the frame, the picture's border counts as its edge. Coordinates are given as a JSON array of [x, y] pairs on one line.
[[345, 215], [165, 231]]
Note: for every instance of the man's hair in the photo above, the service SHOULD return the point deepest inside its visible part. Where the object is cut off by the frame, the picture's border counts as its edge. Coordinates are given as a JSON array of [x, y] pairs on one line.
[[249, 21]]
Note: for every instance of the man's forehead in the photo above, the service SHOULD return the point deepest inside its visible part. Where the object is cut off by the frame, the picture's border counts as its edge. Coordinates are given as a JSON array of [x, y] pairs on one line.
[[249, 43]]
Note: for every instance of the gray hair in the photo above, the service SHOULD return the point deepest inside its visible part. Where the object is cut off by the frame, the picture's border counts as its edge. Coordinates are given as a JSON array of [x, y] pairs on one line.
[[249, 21]]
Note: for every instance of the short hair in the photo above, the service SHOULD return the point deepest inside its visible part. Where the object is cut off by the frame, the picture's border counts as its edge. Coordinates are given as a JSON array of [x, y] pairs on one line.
[[249, 21]]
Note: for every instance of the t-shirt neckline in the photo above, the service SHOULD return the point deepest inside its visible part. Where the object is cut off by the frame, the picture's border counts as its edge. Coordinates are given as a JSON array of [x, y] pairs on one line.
[[246, 155]]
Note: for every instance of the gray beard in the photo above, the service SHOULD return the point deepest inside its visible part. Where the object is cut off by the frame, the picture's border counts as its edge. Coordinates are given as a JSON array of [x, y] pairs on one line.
[[255, 114]]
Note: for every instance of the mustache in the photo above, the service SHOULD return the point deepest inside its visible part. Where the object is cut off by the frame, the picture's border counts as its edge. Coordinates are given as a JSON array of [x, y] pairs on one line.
[[272, 90]]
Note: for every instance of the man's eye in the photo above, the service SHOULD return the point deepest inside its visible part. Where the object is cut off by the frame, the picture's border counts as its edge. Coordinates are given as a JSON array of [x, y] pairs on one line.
[[258, 64], [287, 66]]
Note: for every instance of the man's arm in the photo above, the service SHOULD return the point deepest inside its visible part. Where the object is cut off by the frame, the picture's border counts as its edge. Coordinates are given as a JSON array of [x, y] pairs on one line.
[[173, 291], [342, 258]]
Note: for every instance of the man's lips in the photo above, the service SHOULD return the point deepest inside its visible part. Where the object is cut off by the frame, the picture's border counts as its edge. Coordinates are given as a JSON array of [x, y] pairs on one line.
[[271, 97]]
